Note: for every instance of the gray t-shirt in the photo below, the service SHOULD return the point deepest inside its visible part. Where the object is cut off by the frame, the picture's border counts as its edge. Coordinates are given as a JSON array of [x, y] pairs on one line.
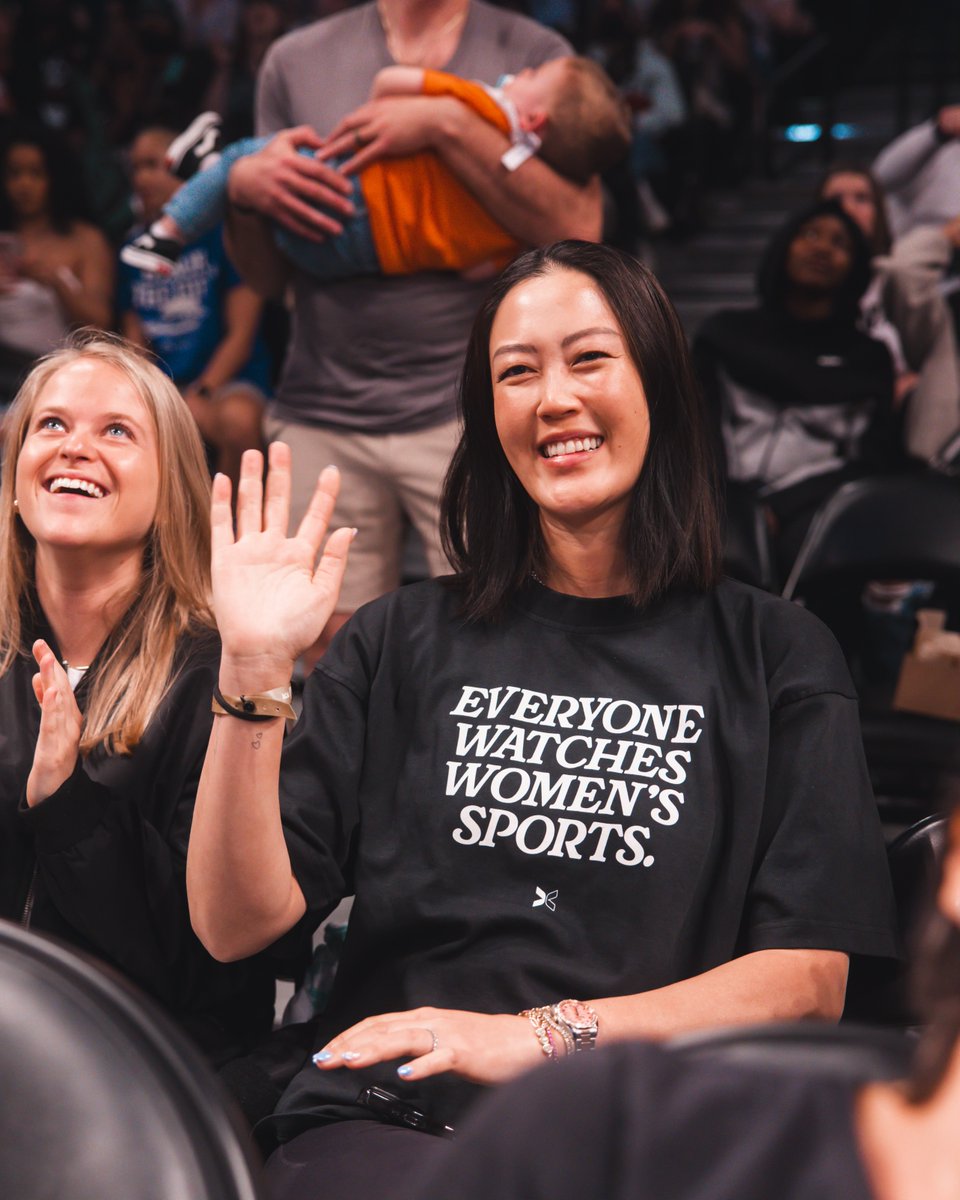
[[376, 354]]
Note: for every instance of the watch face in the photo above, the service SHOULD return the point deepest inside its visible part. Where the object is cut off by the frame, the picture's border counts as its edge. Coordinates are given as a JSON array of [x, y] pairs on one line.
[[577, 1014]]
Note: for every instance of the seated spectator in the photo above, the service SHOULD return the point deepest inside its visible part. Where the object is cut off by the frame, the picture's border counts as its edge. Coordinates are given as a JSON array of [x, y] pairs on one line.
[[201, 320], [706, 40], [904, 307], [920, 172], [56, 269], [412, 214], [649, 83], [637, 1123], [104, 589], [702, 849], [232, 89], [803, 400]]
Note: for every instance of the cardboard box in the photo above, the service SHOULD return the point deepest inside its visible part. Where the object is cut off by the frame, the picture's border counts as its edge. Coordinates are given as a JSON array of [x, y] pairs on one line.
[[929, 680]]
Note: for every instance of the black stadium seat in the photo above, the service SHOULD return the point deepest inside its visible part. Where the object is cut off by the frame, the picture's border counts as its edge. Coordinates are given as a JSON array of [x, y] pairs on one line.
[[102, 1098]]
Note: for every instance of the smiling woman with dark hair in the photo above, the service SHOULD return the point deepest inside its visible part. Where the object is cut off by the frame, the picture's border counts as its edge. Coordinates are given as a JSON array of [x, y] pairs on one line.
[[578, 768]]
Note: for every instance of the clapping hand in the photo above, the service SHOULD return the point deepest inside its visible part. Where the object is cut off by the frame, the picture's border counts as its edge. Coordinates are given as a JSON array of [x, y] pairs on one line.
[[270, 597], [58, 741]]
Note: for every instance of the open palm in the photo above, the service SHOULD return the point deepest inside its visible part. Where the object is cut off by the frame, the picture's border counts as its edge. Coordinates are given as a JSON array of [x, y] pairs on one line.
[[270, 597]]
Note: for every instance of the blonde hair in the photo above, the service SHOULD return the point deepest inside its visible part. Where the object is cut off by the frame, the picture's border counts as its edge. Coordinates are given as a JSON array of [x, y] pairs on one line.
[[588, 129], [173, 594]]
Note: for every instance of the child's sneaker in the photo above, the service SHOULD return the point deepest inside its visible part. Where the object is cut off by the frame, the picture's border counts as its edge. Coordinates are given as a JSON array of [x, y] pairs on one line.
[[188, 153], [151, 253]]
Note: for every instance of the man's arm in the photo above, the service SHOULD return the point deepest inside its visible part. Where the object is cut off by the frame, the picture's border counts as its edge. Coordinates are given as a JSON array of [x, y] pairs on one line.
[[896, 165], [533, 203], [279, 183]]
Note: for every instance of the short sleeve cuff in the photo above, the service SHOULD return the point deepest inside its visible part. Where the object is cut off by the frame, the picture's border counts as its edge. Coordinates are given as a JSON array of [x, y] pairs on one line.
[[872, 941]]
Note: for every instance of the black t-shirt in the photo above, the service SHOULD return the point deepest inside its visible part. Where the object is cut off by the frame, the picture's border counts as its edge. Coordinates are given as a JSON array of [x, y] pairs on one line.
[[633, 1122], [101, 863], [581, 800]]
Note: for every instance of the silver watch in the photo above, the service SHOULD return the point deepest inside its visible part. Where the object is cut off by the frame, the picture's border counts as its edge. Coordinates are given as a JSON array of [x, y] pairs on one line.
[[582, 1021]]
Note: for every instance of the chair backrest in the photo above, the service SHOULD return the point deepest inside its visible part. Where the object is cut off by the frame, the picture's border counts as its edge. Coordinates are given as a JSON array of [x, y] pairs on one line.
[[915, 857], [878, 990], [101, 1094], [747, 554], [847, 1053], [902, 526]]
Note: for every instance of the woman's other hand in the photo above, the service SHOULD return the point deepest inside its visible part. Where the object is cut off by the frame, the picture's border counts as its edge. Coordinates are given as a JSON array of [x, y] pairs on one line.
[[270, 597], [480, 1047], [58, 741]]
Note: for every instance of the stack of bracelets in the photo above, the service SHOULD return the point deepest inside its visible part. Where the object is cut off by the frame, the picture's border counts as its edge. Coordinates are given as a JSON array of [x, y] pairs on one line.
[[569, 1022]]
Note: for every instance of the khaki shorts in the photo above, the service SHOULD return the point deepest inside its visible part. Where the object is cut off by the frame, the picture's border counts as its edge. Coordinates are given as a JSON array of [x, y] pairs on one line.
[[384, 478]]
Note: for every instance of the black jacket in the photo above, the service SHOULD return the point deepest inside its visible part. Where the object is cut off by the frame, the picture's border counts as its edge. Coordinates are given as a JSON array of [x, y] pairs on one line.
[[101, 862]]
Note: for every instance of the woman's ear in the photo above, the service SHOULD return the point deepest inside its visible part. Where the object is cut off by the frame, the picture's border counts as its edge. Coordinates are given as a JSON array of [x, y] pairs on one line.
[[948, 894]]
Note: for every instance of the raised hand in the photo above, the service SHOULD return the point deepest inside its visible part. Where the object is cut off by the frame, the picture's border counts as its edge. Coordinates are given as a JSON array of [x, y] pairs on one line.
[[58, 741], [270, 597], [481, 1047]]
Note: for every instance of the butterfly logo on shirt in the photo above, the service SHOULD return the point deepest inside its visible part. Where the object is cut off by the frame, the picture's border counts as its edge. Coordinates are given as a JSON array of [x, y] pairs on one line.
[[546, 899]]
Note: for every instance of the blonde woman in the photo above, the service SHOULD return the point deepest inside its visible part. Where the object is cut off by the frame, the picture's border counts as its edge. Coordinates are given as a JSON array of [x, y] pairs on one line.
[[104, 582]]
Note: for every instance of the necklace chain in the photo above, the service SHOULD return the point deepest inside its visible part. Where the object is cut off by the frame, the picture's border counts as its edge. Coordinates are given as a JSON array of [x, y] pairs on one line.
[[416, 58]]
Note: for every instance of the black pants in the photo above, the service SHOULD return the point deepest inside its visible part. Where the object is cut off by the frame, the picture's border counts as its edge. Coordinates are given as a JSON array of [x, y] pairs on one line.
[[351, 1160]]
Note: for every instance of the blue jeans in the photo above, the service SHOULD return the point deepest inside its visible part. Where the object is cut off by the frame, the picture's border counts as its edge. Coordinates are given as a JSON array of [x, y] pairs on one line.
[[201, 204]]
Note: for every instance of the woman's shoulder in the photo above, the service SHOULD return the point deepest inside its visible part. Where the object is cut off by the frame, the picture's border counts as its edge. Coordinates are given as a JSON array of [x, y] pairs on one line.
[[88, 238], [800, 656]]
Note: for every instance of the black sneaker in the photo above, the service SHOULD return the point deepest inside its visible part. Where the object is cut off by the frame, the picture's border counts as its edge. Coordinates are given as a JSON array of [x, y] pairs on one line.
[[186, 154], [151, 253]]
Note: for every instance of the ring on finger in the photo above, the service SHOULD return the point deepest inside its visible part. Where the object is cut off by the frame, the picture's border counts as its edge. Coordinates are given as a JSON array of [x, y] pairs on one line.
[[436, 1041], [358, 140]]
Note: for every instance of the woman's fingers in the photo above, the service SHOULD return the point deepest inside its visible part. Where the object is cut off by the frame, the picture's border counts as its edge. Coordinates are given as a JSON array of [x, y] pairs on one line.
[[58, 738], [328, 576], [221, 515], [313, 527], [418, 1042], [276, 505], [250, 494]]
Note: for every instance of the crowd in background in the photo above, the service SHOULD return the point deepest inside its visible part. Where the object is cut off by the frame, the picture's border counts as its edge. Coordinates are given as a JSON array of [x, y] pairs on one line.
[[845, 366]]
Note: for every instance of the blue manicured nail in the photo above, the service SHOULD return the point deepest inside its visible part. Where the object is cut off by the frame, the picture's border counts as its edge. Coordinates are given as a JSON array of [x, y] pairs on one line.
[[405, 1070], [349, 1056], [322, 1056]]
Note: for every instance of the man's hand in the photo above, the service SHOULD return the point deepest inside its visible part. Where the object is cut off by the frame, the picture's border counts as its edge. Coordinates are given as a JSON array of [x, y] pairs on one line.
[[390, 128], [951, 231], [293, 188], [948, 121]]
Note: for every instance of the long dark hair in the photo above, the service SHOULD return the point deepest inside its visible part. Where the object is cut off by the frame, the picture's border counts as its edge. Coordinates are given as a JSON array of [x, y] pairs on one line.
[[490, 526], [66, 193]]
